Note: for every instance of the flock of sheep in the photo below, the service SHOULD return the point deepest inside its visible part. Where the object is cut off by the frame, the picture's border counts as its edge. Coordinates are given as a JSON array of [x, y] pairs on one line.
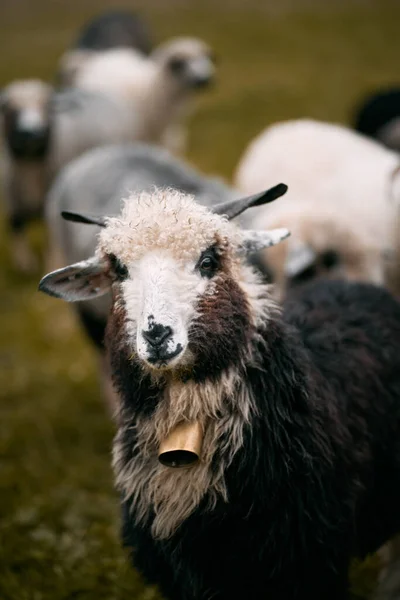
[[258, 444]]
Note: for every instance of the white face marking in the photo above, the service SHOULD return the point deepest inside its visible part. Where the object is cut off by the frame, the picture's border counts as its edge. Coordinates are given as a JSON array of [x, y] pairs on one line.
[[160, 297], [30, 119]]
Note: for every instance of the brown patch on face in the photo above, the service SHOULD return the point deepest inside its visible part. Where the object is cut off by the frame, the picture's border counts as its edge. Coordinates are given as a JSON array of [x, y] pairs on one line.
[[218, 338], [135, 388]]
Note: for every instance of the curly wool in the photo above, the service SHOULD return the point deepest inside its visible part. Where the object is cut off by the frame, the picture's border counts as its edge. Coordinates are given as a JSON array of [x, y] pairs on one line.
[[164, 219]]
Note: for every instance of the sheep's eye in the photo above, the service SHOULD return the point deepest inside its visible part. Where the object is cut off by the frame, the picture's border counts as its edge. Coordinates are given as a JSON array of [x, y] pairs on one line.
[[208, 262], [120, 270], [177, 65], [330, 259]]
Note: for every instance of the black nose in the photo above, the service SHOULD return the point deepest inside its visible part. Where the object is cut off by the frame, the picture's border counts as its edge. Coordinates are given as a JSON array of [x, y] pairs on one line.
[[29, 143], [157, 335]]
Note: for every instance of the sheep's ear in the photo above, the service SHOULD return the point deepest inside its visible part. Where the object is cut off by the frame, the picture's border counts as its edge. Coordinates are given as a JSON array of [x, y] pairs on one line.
[[299, 258], [82, 281], [253, 241]]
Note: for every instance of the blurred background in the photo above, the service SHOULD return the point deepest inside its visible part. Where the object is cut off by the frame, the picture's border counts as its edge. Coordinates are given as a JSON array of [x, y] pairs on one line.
[[276, 60]]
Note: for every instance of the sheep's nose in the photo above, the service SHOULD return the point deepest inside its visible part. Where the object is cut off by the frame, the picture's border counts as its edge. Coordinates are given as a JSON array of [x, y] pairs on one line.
[[157, 335]]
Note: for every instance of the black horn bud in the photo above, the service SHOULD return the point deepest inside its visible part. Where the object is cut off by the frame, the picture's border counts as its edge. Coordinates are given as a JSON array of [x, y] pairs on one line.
[[233, 208], [79, 218]]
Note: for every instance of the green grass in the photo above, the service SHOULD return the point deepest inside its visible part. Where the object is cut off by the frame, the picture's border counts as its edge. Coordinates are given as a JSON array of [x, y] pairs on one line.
[[59, 522]]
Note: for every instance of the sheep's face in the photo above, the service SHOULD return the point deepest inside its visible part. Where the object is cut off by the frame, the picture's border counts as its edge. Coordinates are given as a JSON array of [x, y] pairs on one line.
[[189, 60], [25, 107], [179, 285]]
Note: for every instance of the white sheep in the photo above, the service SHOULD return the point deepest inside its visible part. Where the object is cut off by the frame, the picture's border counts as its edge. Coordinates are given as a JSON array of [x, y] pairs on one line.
[[159, 88], [338, 208], [25, 124]]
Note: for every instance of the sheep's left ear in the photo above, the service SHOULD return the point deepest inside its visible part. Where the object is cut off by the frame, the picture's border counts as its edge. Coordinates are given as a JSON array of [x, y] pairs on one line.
[[253, 241], [84, 280]]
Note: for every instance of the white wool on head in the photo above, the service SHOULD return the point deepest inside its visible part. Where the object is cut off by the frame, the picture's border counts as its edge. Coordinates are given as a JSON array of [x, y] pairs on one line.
[[28, 93], [164, 219], [186, 47]]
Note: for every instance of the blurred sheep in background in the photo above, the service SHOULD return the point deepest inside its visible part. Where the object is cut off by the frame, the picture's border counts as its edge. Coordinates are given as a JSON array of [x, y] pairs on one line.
[[340, 210], [25, 119], [378, 117], [95, 184], [41, 132], [109, 29], [119, 95], [159, 88]]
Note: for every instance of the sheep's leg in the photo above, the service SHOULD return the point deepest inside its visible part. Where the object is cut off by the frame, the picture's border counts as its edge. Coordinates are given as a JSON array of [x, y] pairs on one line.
[[22, 255]]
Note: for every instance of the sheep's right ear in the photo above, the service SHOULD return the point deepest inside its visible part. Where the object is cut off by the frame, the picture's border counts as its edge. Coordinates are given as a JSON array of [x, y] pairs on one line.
[[84, 280], [254, 241]]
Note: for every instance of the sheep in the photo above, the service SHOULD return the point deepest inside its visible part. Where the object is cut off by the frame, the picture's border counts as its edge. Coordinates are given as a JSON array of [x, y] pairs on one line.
[[339, 210], [42, 131], [25, 138], [299, 465], [109, 29], [95, 182], [124, 97], [378, 117], [159, 87]]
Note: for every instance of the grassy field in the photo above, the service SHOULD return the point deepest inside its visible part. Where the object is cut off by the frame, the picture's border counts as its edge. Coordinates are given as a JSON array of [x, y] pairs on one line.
[[59, 522]]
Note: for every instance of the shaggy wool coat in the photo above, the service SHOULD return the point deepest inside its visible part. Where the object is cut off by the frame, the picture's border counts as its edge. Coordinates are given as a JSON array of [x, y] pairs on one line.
[[317, 478]]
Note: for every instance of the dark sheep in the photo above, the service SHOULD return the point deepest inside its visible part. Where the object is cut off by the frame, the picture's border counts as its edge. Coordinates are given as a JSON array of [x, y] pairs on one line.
[[110, 29], [378, 117], [300, 410], [114, 28]]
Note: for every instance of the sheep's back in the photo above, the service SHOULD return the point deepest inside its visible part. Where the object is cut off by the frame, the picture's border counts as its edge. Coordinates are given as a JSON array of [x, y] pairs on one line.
[[352, 334], [327, 168]]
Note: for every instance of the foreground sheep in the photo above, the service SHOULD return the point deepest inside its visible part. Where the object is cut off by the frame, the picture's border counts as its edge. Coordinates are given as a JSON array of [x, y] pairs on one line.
[[25, 132], [109, 29], [339, 209], [159, 88], [299, 464], [95, 183]]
